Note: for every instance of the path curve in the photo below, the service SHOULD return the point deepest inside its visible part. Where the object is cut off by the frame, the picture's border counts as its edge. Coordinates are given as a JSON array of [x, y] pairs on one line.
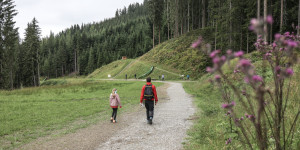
[[168, 129]]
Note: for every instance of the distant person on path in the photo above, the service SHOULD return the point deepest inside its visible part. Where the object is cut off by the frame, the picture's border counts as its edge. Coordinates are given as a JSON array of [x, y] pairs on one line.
[[187, 77], [126, 76], [148, 95], [162, 77], [115, 101], [135, 76]]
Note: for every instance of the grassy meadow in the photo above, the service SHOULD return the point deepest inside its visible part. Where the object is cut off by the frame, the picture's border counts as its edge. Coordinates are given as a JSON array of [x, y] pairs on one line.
[[67, 105]]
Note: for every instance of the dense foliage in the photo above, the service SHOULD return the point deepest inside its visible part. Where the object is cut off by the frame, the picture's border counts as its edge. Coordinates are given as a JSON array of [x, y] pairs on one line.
[[133, 31]]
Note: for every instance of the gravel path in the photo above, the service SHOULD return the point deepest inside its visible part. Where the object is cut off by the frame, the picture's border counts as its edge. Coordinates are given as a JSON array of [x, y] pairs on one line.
[[171, 120], [167, 131]]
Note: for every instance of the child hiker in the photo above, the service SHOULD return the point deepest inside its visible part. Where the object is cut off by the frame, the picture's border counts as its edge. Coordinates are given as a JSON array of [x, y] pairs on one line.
[[115, 101]]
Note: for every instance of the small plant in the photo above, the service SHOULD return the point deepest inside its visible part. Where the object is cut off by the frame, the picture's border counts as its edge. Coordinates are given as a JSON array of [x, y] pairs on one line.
[[263, 101]]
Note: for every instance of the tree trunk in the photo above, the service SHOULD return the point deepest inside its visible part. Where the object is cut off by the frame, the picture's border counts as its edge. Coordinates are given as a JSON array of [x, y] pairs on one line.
[[176, 19], [230, 30], [203, 13], [258, 13], [265, 18], [75, 61], [199, 26], [192, 17], [153, 35], [281, 16], [188, 24], [271, 27], [216, 35], [11, 79], [159, 35], [298, 30], [247, 42], [168, 19]]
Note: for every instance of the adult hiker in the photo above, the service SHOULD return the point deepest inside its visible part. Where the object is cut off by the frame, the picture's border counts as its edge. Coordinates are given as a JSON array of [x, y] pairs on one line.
[[148, 95], [115, 101]]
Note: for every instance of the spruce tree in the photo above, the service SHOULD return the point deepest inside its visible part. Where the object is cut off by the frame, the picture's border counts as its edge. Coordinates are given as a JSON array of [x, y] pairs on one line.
[[9, 37]]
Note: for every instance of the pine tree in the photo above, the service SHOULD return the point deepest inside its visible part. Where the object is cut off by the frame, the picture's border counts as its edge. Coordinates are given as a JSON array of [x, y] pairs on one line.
[[9, 37], [32, 54]]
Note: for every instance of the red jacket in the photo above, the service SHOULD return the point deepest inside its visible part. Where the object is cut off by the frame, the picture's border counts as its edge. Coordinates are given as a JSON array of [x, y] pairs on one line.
[[154, 92]]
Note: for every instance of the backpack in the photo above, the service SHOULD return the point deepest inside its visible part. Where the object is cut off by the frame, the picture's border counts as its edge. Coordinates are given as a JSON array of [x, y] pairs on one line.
[[148, 93]]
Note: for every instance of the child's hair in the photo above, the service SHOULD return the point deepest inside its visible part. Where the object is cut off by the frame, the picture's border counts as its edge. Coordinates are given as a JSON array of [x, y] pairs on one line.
[[113, 92]]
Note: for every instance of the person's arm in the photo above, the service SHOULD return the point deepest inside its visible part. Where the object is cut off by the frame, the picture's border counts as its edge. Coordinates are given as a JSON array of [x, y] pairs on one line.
[[142, 94], [119, 100], [155, 93]]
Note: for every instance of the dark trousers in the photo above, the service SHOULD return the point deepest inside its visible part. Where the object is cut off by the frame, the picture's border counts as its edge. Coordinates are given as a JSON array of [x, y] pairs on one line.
[[149, 108], [114, 113]]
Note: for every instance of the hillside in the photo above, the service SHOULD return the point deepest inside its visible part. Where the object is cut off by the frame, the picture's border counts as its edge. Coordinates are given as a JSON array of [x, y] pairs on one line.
[[172, 59]]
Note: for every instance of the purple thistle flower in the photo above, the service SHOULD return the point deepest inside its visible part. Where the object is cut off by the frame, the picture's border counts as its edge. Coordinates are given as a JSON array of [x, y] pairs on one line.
[[236, 71], [217, 77], [239, 54], [214, 53], [224, 106], [277, 69], [277, 36], [292, 43], [289, 71], [274, 45], [269, 19], [254, 22], [244, 92], [257, 78], [242, 118], [228, 141], [246, 79], [229, 52], [197, 43], [216, 60], [209, 69], [245, 63], [227, 106]]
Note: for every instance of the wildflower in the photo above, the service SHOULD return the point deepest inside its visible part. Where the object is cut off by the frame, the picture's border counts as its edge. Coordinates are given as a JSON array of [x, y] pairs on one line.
[[197, 43], [246, 79], [274, 45], [228, 113], [236, 71], [292, 43], [218, 78], [269, 19], [214, 53], [277, 36], [239, 54], [254, 22], [257, 78], [277, 69], [229, 52], [227, 106], [245, 63], [228, 141], [244, 92], [216, 60], [242, 118], [209, 69], [289, 71]]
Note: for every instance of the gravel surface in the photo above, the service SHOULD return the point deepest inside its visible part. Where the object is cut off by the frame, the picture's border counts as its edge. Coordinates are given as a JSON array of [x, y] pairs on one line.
[[167, 131], [171, 120]]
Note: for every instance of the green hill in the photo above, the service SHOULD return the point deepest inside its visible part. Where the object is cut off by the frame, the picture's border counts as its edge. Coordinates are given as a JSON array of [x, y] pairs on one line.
[[172, 59]]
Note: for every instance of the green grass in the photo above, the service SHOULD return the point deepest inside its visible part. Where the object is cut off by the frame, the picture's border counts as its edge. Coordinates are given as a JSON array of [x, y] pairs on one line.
[[29, 113], [113, 69], [141, 67]]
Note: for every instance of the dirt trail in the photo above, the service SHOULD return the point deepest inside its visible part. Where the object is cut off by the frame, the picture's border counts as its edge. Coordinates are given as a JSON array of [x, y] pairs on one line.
[[131, 132]]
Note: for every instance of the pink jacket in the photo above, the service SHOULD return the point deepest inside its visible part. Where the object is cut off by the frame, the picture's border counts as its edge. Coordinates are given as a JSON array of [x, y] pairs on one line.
[[115, 101]]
